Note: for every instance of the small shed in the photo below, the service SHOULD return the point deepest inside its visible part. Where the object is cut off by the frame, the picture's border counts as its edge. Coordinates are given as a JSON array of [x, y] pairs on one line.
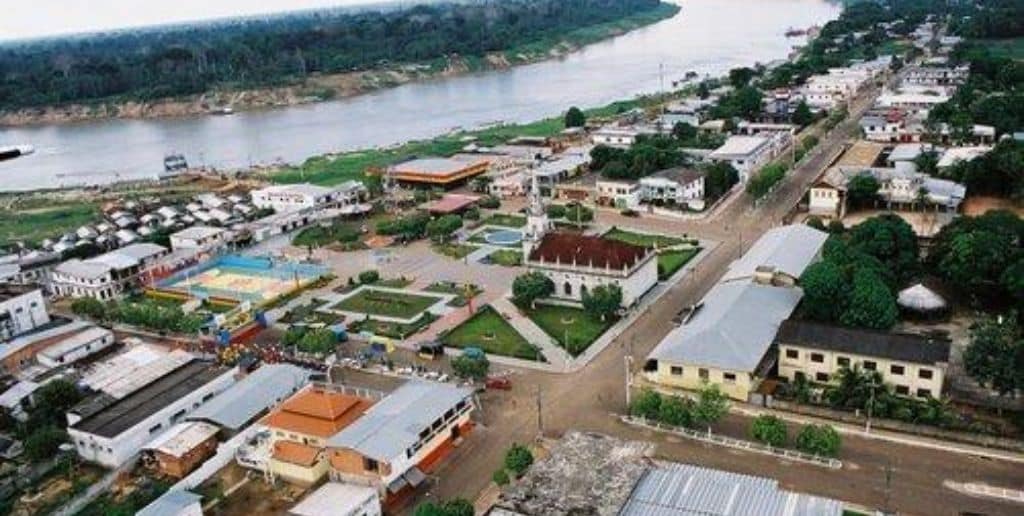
[[922, 301]]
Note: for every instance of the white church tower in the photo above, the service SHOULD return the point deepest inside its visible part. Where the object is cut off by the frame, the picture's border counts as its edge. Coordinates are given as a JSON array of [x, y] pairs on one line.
[[537, 223]]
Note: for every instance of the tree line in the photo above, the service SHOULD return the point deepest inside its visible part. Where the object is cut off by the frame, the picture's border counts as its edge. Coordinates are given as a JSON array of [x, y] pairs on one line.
[[190, 59]]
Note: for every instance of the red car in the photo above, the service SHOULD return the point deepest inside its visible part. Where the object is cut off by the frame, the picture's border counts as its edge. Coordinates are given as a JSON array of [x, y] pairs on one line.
[[502, 383]]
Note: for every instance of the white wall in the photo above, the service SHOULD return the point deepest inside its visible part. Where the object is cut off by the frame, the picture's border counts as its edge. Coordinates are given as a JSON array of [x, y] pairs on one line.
[[27, 312]]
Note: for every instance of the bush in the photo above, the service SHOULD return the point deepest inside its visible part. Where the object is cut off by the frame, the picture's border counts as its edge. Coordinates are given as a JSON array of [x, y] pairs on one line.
[[647, 405], [762, 183], [500, 477], [471, 368], [676, 411], [556, 211], [369, 277], [319, 341], [89, 307], [472, 214], [769, 430], [490, 203], [578, 213], [821, 440], [518, 459], [43, 443]]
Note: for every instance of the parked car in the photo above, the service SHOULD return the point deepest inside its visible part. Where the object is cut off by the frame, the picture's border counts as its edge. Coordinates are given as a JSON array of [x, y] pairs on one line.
[[498, 382]]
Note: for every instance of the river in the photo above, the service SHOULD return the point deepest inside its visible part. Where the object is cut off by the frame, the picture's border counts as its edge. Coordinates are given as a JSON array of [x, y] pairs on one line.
[[707, 36]]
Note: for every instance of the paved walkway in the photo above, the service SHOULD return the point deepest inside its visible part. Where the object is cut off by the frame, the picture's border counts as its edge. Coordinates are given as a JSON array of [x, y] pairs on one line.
[[558, 359]]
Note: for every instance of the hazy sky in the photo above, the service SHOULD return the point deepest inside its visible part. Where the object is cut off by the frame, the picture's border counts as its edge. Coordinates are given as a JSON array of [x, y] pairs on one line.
[[33, 18]]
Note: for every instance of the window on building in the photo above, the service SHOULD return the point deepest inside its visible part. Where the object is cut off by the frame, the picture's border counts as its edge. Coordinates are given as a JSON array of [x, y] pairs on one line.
[[843, 361], [817, 357], [896, 370], [924, 393], [821, 377], [869, 365], [792, 353], [703, 374], [902, 389], [924, 374], [676, 370], [729, 377], [370, 464], [156, 428], [567, 288]]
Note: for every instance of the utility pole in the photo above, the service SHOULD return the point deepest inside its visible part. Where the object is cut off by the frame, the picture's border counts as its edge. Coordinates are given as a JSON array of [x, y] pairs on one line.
[[540, 418], [629, 379], [871, 406], [661, 79]]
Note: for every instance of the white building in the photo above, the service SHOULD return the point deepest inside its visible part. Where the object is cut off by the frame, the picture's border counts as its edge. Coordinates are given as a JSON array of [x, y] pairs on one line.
[[912, 103], [621, 194], [935, 75], [745, 153], [898, 187], [105, 276], [199, 237], [22, 310], [337, 499], [76, 347], [288, 198], [674, 186], [114, 433], [621, 137]]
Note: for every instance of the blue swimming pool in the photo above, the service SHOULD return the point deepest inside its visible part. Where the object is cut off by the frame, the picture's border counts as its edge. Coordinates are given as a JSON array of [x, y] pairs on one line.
[[506, 237]]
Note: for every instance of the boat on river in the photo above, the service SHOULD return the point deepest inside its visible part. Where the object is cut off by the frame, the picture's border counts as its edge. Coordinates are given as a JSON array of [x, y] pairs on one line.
[[15, 151]]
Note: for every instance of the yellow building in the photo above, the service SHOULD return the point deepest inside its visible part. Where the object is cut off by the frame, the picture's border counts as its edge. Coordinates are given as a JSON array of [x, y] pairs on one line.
[[914, 365], [727, 337]]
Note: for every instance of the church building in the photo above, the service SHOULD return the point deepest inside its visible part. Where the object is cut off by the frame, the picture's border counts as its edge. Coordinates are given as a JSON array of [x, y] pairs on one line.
[[578, 263]]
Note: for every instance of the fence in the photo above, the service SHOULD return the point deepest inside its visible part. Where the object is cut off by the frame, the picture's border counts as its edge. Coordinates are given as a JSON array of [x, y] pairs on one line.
[[739, 444]]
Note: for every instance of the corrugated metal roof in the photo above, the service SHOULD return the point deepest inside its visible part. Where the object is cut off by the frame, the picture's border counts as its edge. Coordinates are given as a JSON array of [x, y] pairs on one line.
[[393, 424], [334, 498], [789, 249], [172, 503], [733, 329], [674, 489], [262, 389]]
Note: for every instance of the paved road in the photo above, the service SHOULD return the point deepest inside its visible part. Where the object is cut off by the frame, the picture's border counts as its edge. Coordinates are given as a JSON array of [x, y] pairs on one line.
[[587, 399]]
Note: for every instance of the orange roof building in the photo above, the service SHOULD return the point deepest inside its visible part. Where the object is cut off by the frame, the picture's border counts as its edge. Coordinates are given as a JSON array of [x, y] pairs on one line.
[[299, 429]]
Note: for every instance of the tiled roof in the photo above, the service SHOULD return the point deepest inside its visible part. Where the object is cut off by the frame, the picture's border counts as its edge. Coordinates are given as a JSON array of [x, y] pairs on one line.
[[295, 453], [315, 411], [594, 251]]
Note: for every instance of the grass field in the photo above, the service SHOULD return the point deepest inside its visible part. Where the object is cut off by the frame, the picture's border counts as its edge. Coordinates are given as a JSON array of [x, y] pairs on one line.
[[507, 257], [488, 331], [387, 304], [642, 239], [671, 261], [572, 328], [394, 330], [32, 226], [318, 236], [457, 251], [463, 292], [504, 219]]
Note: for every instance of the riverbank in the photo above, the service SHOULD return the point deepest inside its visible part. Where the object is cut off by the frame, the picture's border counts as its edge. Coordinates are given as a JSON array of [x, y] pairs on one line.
[[335, 86]]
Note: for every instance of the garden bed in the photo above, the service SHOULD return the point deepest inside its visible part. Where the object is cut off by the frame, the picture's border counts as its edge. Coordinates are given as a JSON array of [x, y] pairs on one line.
[[490, 332], [572, 328], [457, 251], [463, 292], [669, 262], [384, 303], [391, 329], [507, 257], [643, 239]]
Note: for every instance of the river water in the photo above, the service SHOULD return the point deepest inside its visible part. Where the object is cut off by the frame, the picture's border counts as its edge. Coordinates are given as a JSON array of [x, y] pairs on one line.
[[707, 36]]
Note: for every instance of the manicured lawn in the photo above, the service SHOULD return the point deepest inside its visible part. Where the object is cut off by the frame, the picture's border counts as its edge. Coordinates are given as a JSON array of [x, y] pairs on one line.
[[642, 239], [504, 219], [394, 330], [35, 225], [671, 261], [572, 328], [388, 304], [457, 251], [507, 257], [488, 331], [462, 292], [394, 282]]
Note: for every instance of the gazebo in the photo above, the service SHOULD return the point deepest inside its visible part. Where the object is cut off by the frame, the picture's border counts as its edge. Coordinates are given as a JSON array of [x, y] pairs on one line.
[[922, 301]]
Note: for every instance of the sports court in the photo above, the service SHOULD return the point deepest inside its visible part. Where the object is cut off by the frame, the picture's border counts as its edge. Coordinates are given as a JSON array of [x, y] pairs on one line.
[[243, 278]]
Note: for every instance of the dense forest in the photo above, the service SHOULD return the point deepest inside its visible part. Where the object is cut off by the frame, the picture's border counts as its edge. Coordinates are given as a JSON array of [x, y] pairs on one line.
[[183, 60]]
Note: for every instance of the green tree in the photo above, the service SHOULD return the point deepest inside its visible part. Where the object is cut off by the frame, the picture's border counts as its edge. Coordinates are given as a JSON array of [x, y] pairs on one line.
[[977, 260], [500, 477], [740, 77], [318, 341], [43, 443], [862, 190], [871, 303], [556, 211], [1012, 281], [927, 162], [647, 404], [369, 277], [995, 355], [684, 132], [52, 400], [769, 430], [473, 368], [578, 213], [442, 228], [712, 404], [518, 459], [458, 507], [529, 287], [89, 307], [675, 411], [855, 388], [802, 115], [821, 440], [574, 117], [891, 240], [719, 179], [825, 290], [603, 301]]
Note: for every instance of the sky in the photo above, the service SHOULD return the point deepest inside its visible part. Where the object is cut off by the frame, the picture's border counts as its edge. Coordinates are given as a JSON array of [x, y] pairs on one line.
[[34, 18]]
